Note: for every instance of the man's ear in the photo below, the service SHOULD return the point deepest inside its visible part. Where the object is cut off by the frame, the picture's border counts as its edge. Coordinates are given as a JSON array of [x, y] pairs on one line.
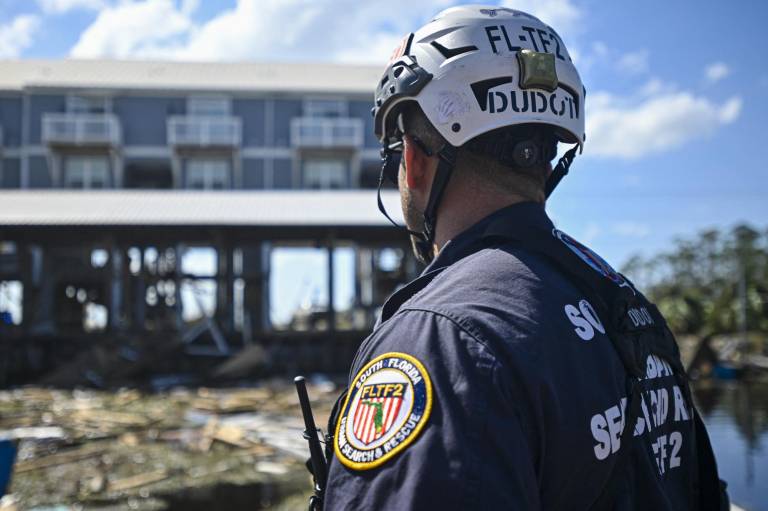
[[418, 166]]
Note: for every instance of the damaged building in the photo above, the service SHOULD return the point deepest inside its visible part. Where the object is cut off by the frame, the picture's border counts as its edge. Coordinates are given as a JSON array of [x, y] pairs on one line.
[[159, 217]]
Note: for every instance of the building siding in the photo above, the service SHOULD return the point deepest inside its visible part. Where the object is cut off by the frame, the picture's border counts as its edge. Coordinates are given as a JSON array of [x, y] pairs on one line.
[[10, 173], [40, 104], [144, 119], [362, 110], [252, 113], [10, 120], [266, 156], [39, 173], [283, 174], [253, 173], [284, 111]]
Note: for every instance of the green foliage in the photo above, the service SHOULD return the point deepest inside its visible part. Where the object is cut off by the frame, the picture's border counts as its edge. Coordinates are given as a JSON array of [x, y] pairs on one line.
[[712, 284]]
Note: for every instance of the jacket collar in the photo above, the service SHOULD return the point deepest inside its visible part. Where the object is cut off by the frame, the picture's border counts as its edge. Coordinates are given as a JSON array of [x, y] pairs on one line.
[[529, 214]]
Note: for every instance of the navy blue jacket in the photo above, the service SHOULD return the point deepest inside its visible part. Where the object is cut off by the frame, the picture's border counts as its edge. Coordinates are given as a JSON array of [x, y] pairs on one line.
[[526, 397]]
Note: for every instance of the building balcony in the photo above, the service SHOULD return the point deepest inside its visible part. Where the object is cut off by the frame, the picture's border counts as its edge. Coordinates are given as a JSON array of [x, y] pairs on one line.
[[81, 129], [187, 130], [326, 132]]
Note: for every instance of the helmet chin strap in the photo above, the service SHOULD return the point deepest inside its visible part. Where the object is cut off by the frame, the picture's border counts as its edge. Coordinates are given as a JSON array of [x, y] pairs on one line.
[[560, 171], [423, 242], [446, 160]]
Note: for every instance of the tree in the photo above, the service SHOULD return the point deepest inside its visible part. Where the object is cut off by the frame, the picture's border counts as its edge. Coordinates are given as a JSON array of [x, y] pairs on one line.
[[712, 284]]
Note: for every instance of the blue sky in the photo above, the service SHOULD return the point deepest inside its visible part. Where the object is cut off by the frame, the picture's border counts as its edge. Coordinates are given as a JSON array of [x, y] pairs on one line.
[[677, 92]]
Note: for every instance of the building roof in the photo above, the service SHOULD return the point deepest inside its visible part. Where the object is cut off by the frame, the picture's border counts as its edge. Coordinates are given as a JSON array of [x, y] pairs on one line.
[[307, 208], [16, 75]]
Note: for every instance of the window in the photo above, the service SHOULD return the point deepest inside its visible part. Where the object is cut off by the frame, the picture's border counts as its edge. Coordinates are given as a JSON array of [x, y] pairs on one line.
[[325, 174], [87, 104], [198, 288], [208, 106], [86, 172], [325, 108], [11, 302], [208, 174]]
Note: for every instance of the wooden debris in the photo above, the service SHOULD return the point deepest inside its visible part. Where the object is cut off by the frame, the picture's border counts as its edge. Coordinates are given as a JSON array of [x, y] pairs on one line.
[[111, 417], [37, 433], [129, 439], [60, 458], [232, 435], [138, 480]]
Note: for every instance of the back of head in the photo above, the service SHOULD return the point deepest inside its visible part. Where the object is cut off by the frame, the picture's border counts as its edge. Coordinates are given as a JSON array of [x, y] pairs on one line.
[[487, 162]]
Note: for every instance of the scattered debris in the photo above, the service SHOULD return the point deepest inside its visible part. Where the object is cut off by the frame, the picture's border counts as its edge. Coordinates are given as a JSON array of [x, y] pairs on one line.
[[130, 450], [138, 480]]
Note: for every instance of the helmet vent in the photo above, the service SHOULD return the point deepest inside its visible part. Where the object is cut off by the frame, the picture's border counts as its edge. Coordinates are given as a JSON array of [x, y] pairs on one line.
[[452, 52], [480, 89]]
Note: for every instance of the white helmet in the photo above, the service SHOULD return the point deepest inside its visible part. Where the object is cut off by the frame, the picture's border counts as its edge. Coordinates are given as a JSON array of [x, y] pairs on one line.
[[473, 69]]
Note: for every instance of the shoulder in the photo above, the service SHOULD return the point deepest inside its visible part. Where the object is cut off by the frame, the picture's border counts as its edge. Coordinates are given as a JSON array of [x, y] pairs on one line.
[[502, 292], [436, 336], [505, 275]]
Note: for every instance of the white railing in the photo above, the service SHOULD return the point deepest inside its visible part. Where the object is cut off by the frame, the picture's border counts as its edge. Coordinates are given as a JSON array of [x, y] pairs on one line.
[[204, 131], [326, 132], [81, 129]]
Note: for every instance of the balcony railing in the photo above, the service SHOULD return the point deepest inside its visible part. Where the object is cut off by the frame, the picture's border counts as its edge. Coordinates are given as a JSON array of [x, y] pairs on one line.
[[187, 130], [326, 132], [81, 129]]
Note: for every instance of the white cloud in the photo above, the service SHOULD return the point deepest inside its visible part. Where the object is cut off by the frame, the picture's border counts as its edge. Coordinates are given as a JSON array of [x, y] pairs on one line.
[[633, 62], [600, 56], [17, 35], [591, 233], [562, 15], [656, 119], [600, 49], [132, 29], [325, 30], [63, 6], [653, 86], [252, 29], [630, 229], [716, 71]]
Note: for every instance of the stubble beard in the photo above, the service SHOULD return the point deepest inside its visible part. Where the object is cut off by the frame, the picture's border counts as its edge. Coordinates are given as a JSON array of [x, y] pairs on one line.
[[414, 219]]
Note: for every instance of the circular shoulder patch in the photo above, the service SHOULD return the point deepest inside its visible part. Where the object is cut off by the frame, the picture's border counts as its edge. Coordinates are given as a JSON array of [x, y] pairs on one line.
[[387, 405]]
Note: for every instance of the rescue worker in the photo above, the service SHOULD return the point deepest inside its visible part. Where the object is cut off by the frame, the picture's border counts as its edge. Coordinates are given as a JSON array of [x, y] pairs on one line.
[[519, 371]]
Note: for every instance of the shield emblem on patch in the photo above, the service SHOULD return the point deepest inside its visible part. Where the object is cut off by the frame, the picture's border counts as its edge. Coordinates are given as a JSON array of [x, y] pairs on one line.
[[374, 417], [388, 404]]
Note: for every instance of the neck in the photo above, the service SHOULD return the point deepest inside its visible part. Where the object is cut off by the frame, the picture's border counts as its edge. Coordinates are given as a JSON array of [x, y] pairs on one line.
[[459, 210]]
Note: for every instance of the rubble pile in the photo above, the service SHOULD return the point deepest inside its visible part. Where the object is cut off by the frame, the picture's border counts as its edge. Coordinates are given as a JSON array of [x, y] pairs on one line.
[[179, 449]]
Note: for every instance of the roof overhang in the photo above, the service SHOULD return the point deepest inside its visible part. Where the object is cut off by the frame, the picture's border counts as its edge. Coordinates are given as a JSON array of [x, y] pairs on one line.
[[141, 209], [186, 77]]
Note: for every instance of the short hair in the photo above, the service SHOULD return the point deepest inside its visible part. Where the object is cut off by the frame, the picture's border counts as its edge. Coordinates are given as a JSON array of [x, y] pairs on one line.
[[485, 169]]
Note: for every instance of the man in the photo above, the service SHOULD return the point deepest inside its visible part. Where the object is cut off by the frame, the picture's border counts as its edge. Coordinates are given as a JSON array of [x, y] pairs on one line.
[[519, 371]]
